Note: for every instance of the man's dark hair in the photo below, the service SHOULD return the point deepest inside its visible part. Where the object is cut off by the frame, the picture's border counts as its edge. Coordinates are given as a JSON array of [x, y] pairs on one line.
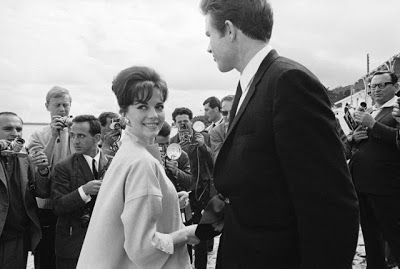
[[7, 113], [103, 117], [253, 17], [182, 111], [94, 123], [213, 102], [393, 77], [165, 130]]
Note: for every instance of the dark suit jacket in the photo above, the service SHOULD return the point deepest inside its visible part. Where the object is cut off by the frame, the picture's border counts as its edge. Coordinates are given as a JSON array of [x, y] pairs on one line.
[[28, 199], [375, 165], [68, 175], [283, 169]]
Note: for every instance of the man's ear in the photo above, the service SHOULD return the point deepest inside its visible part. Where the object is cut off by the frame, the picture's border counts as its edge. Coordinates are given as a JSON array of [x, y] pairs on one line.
[[230, 30], [46, 105], [97, 137]]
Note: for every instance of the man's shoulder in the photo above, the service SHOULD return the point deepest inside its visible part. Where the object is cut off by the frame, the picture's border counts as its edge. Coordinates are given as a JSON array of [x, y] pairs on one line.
[[68, 161]]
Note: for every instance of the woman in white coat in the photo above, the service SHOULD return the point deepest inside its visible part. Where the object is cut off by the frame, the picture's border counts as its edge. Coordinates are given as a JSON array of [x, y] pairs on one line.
[[136, 222]]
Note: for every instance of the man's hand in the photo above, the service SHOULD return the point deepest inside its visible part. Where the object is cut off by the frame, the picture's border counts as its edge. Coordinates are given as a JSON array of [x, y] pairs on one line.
[[364, 118], [56, 125], [199, 138], [183, 197], [92, 187], [39, 159], [172, 165], [359, 134], [4, 144], [112, 136]]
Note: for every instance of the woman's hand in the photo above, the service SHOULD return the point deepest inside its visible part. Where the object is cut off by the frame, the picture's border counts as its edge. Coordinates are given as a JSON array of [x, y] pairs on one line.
[[191, 237]]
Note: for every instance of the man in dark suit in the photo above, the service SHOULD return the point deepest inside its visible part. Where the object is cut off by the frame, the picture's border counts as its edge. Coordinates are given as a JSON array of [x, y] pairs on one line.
[[76, 182], [288, 192], [375, 168], [19, 223]]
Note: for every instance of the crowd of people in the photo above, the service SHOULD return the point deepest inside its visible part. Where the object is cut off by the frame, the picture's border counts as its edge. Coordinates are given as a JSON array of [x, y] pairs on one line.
[[272, 173]]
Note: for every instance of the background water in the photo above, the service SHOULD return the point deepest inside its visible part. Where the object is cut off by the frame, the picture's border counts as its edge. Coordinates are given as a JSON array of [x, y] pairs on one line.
[[28, 129]]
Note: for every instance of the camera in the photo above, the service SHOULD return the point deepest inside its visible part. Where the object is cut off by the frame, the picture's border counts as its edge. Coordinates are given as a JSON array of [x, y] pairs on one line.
[[14, 148], [117, 124], [184, 133], [67, 120]]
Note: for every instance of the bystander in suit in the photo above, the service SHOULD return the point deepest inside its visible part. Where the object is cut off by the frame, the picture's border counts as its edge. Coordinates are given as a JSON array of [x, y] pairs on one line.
[[19, 223], [76, 182], [375, 169], [218, 133]]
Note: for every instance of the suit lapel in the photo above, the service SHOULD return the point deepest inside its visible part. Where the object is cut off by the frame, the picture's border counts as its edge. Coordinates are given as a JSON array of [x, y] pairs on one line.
[[102, 163], [3, 176], [23, 168], [383, 113], [84, 169], [268, 60]]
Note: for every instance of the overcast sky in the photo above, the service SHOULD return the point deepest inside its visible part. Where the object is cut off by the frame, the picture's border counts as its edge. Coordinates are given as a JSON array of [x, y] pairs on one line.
[[82, 44]]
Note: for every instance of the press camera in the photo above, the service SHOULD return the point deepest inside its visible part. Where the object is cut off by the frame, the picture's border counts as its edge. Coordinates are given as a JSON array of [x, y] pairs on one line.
[[184, 133], [348, 115], [67, 121], [118, 124], [14, 148]]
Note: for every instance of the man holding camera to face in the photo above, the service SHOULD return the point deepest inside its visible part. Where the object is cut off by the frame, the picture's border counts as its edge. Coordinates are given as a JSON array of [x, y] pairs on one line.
[[111, 131], [53, 141], [19, 224], [197, 145], [76, 182]]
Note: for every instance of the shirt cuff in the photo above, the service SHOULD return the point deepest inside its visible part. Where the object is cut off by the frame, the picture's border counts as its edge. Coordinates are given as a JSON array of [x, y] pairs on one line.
[[85, 198], [163, 242]]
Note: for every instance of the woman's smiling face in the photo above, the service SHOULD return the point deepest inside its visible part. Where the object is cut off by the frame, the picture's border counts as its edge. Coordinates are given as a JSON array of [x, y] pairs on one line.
[[147, 118]]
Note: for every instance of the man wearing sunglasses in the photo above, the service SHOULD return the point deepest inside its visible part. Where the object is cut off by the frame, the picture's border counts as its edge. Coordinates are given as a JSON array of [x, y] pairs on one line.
[[375, 168], [218, 133]]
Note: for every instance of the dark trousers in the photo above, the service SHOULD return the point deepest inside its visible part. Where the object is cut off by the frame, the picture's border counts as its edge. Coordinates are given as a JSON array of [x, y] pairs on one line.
[[14, 253], [45, 255], [66, 263], [380, 222]]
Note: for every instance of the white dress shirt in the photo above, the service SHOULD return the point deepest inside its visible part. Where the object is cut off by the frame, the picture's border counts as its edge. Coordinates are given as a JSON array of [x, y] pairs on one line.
[[389, 103], [86, 198], [247, 76]]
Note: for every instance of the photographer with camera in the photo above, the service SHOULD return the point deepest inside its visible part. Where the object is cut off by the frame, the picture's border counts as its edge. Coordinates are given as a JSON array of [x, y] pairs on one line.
[[76, 182], [111, 131], [53, 141], [375, 169], [197, 146], [19, 224]]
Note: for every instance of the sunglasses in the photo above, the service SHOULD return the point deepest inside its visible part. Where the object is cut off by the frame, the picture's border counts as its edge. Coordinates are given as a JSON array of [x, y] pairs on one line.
[[224, 113], [381, 85]]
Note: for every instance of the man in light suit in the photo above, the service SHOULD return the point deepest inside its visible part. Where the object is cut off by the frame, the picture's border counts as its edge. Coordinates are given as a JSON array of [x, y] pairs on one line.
[[19, 223], [288, 192], [76, 182], [375, 168], [218, 133]]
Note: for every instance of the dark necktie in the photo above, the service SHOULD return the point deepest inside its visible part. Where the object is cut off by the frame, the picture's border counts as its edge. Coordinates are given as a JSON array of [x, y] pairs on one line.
[[235, 103], [95, 174]]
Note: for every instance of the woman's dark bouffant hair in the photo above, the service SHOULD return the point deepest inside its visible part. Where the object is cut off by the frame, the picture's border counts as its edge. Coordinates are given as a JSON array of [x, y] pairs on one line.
[[136, 83]]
